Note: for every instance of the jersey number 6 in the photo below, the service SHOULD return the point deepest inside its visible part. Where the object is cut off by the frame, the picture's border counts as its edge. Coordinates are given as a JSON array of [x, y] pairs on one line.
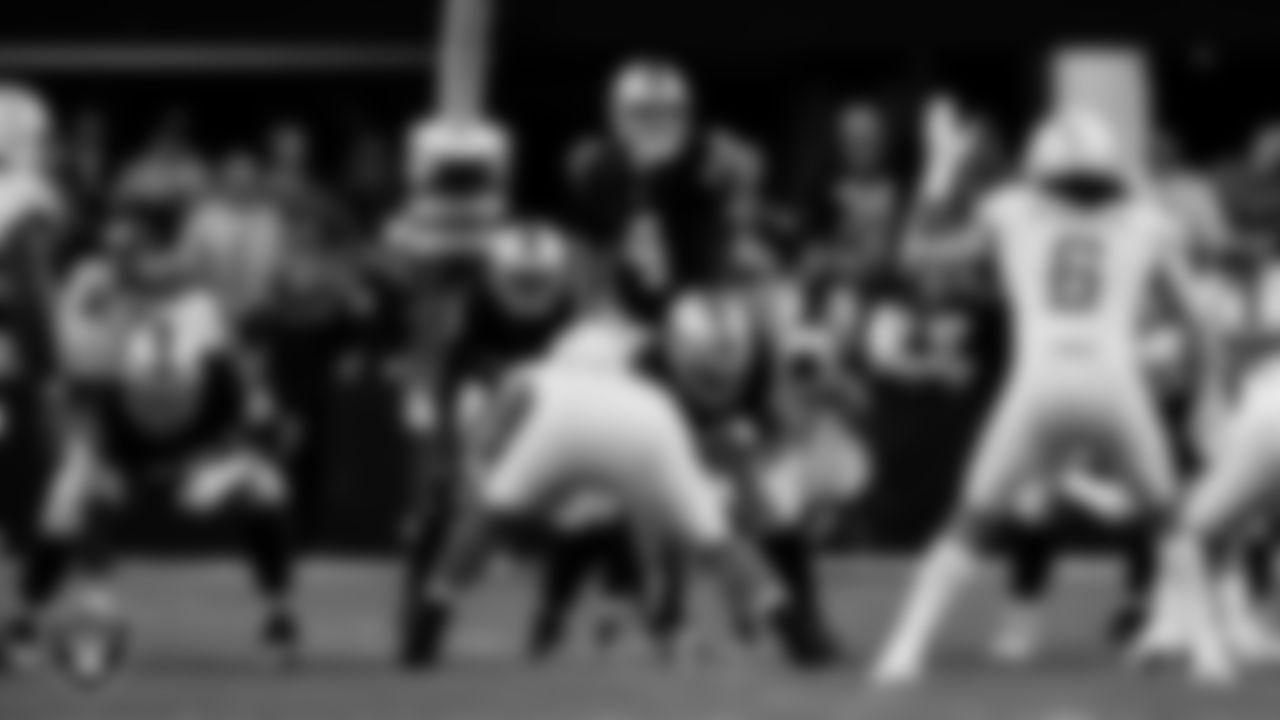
[[1075, 273]]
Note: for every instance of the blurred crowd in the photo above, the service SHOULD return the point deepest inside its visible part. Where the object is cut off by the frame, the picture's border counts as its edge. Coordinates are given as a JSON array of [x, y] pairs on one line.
[[671, 192]]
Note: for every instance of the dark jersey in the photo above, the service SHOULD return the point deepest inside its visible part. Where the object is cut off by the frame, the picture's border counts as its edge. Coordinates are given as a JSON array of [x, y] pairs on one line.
[[495, 335], [717, 404], [160, 381], [140, 436], [690, 197]]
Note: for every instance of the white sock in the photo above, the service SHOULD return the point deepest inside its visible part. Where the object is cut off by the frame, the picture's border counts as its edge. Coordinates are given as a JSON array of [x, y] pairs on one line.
[[1165, 626], [1210, 657], [939, 579], [1247, 633]]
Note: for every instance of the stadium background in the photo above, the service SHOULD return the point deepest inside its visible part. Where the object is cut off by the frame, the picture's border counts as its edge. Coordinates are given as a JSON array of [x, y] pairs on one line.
[[775, 71]]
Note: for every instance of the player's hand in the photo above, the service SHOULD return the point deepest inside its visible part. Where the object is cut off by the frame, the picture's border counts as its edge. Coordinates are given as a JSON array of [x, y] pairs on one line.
[[950, 140]]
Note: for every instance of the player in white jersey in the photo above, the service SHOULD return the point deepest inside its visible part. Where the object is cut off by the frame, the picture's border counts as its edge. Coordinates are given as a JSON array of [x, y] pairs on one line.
[[565, 423], [1240, 420], [1080, 248]]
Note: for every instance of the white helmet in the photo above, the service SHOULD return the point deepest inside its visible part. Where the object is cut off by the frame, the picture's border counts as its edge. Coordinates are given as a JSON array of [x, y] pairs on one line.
[[1076, 141], [438, 143], [25, 126]]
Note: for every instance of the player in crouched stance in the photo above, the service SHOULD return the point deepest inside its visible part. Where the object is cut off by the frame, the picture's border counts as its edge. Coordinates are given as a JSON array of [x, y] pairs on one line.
[[562, 422], [1080, 248], [161, 403]]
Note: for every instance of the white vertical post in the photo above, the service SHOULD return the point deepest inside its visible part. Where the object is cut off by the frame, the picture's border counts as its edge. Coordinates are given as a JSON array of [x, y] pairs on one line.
[[1114, 80], [464, 47]]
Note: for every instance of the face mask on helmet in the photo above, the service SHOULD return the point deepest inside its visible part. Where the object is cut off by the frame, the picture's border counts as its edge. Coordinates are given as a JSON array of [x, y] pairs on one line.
[[709, 339], [529, 268], [1076, 156], [651, 112]]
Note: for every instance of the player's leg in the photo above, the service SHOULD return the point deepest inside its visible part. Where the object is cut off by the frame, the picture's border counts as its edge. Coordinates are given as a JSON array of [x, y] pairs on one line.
[[247, 485], [1003, 460], [1030, 545], [77, 515], [43, 558], [624, 583], [1139, 549], [1182, 613], [511, 459], [700, 506], [564, 572], [794, 486]]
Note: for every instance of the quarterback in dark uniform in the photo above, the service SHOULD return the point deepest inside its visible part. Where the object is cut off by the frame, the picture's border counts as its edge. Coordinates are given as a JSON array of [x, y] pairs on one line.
[[660, 196]]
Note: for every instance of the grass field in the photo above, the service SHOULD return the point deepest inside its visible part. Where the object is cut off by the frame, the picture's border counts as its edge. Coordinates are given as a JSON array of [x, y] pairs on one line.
[[196, 659]]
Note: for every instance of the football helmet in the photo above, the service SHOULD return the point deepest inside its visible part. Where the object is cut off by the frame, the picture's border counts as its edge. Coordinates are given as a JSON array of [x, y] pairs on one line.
[[1073, 143]]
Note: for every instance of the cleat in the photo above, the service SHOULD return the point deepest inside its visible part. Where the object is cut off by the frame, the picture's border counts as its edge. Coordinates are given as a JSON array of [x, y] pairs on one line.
[[282, 637], [894, 673], [92, 651], [1125, 625], [1017, 643], [425, 629], [805, 642], [20, 644]]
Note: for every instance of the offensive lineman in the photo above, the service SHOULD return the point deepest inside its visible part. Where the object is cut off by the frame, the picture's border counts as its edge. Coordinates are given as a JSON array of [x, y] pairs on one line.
[[163, 404], [1079, 247], [563, 424]]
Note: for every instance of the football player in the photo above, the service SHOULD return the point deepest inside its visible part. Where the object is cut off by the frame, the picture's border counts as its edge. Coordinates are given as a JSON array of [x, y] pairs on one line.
[[1222, 514], [162, 403], [750, 398], [564, 423], [33, 224], [1080, 244]]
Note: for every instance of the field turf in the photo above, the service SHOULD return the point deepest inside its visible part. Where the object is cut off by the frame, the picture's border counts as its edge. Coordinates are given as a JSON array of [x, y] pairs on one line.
[[196, 659]]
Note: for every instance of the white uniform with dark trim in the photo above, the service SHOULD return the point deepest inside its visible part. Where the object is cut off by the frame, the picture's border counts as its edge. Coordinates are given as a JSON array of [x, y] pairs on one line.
[[1244, 456], [1079, 283], [580, 422]]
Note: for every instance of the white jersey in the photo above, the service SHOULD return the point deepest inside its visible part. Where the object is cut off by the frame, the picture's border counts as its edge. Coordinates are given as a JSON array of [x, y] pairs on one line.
[[105, 333], [1080, 282]]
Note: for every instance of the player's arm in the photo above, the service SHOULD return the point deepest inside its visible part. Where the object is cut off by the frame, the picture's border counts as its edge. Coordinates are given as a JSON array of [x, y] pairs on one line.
[[1210, 347]]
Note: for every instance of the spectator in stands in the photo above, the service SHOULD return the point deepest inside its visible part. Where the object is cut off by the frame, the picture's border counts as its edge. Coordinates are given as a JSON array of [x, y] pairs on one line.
[[856, 210], [661, 192], [166, 177], [370, 182], [1251, 192], [314, 215], [235, 235], [84, 154], [84, 170]]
